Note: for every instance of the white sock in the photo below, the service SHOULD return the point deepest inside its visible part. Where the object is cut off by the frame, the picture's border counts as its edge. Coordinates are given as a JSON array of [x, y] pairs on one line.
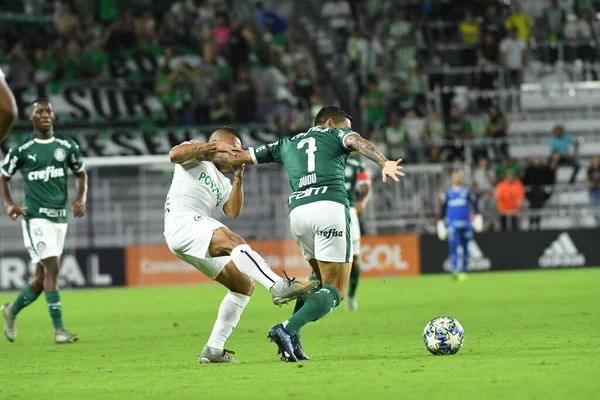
[[252, 264], [229, 315]]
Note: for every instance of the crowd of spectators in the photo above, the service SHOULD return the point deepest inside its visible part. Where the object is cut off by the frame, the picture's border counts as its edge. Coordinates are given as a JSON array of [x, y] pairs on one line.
[[206, 56]]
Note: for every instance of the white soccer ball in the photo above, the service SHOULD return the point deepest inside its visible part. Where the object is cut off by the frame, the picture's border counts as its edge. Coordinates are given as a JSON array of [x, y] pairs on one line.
[[443, 336]]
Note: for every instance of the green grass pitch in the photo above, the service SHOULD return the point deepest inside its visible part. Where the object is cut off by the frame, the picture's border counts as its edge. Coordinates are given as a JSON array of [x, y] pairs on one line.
[[528, 335]]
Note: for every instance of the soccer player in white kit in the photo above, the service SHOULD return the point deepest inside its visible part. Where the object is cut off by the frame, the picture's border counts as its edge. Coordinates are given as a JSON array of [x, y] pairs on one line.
[[199, 187]]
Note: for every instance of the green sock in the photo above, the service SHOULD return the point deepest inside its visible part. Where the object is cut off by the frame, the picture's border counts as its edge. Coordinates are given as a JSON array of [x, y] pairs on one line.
[[315, 307], [26, 297], [301, 300], [354, 276], [55, 308]]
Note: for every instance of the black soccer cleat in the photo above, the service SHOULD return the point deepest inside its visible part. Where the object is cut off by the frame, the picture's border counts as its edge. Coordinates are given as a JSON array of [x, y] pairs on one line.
[[283, 340], [298, 350]]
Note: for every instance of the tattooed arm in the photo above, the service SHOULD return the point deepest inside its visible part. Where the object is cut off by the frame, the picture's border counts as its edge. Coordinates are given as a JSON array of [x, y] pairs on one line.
[[235, 203], [203, 151], [369, 150], [237, 158]]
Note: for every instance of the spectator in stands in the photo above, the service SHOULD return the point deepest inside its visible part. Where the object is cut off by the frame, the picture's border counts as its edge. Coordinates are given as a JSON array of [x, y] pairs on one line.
[[538, 180], [555, 18], [416, 83], [583, 5], [470, 35], [67, 24], [171, 31], [20, 67], [373, 103], [560, 147], [509, 201], [593, 181], [222, 33], [497, 131], [121, 34], [183, 10], [396, 137], [586, 51], [145, 29], [413, 127], [240, 43], [221, 112], [478, 126], [400, 28], [521, 22], [494, 24], [363, 48], [245, 98], [484, 182], [97, 59], [202, 86], [457, 130], [339, 15], [508, 164], [167, 63], [399, 98], [303, 84], [290, 57], [514, 58], [433, 135], [273, 22], [487, 61], [315, 106]]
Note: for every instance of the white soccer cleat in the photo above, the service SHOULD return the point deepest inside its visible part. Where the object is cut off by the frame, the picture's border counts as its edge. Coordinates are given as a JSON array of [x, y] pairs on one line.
[[351, 304], [211, 355], [286, 290], [10, 326], [62, 336]]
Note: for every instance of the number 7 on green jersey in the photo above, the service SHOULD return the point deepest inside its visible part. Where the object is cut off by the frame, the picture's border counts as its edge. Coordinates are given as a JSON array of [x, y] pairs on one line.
[[310, 150]]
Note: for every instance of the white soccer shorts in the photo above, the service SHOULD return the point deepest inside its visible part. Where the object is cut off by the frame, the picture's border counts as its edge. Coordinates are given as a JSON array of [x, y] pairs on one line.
[[43, 238], [188, 236], [355, 229], [322, 230]]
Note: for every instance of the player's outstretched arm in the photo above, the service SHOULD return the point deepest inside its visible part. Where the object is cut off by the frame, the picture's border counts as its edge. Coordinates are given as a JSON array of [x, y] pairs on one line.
[[369, 150], [196, 150], [237, 158], [235, 203], [8, 108]]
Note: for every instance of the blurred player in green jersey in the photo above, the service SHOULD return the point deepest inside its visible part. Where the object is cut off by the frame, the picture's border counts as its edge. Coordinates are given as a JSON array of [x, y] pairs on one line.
[[358, 184], [44, 160]]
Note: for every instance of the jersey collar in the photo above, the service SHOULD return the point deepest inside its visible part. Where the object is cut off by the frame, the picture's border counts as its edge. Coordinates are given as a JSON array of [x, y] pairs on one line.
[[44, 141]]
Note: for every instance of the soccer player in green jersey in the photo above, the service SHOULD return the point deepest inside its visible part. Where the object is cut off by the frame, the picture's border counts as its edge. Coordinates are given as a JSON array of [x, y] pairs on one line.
[[44, 160], [8, 108], [319, 210]]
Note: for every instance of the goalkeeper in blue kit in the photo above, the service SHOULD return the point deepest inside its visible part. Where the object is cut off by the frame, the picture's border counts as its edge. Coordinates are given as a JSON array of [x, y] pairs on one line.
[[455, 223]]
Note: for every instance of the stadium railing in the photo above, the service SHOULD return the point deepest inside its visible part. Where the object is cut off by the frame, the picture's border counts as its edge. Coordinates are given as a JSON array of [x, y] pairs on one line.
[[127, 195]]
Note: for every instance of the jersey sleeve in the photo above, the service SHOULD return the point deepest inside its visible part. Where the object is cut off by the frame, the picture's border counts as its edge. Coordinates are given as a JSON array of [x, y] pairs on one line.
[[75, 161], [341, 134], [12, 162], [2, 74], [266, 153]]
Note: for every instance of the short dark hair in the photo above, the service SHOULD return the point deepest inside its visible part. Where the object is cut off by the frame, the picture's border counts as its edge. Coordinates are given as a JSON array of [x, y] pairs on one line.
[[333, 113], [231, 130], [39, 100]]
